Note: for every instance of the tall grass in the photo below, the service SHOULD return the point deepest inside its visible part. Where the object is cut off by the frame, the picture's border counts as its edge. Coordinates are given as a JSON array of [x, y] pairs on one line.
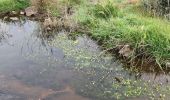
[[105, 11]]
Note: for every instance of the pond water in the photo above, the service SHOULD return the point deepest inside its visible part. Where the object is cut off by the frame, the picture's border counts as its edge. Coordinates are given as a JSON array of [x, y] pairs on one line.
[[36, 66]]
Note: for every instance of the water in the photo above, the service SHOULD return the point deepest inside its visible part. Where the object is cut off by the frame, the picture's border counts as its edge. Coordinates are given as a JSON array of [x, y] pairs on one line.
[[20, 77], [35, 66]]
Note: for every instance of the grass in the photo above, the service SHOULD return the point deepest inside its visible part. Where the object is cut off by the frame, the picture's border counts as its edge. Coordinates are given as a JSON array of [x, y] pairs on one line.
[[105, 11], [114, 26], [9, 5]]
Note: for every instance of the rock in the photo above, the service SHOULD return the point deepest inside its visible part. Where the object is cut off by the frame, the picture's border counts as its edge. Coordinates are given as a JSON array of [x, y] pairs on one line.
[[126, 51], [168, 64], [30, 11], [14, 13], [14, 18], [6, 17], [22, 12]]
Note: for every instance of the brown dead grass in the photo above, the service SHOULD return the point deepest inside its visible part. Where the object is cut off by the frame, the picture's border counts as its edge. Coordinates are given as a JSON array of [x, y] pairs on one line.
[[63, 21]]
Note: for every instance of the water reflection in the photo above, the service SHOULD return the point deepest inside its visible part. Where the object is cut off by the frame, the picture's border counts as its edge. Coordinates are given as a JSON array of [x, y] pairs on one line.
[[3, 33], [31, 79]]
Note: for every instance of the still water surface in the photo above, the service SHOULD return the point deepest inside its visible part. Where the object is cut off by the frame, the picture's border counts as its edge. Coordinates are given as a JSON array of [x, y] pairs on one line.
[[34, 67]]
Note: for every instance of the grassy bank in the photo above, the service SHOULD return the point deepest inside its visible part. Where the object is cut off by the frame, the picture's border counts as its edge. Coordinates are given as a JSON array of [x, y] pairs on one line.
[[116, 24], [10, 5]]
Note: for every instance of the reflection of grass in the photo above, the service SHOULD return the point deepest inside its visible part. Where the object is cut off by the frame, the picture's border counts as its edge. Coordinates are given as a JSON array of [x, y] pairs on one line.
[[8, 5], [3, 32]]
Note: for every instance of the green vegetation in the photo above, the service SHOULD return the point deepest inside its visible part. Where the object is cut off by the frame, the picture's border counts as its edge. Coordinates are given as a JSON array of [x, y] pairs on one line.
[[9, 5], [105, 11], [117, 22], [114, 26]]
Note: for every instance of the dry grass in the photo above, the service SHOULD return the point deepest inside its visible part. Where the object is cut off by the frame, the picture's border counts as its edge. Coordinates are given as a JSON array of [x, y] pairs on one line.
[[58, 15]]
